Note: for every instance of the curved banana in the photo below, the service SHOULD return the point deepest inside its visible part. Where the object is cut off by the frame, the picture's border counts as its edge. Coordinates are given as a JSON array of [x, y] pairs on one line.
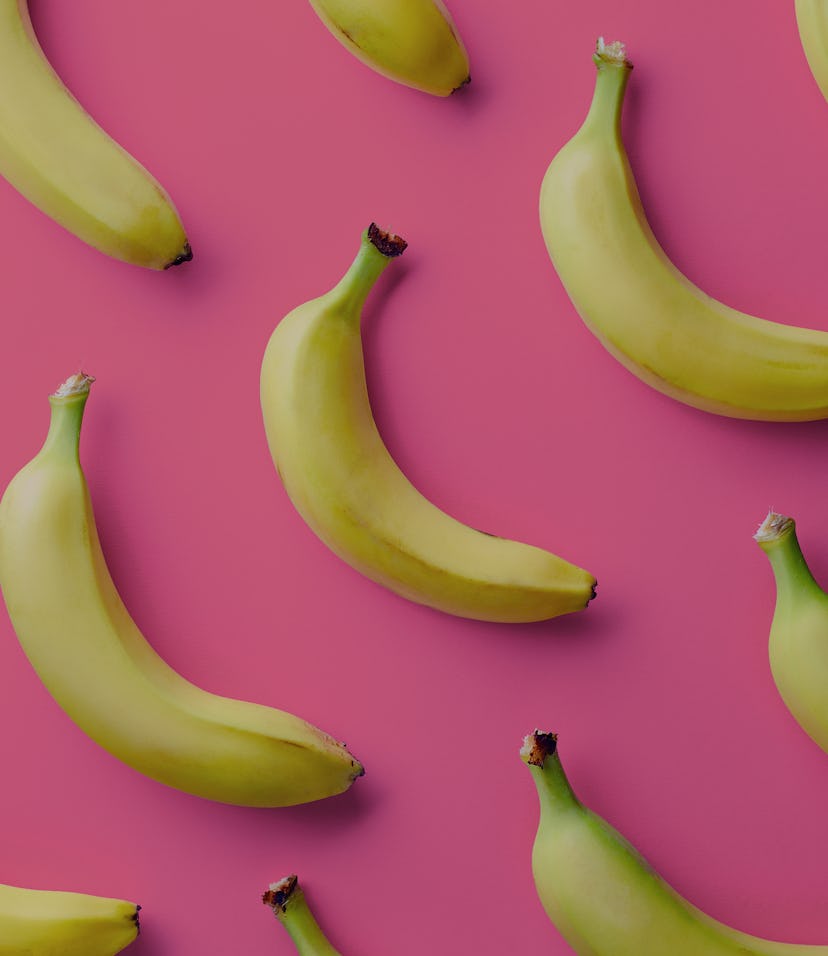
[[89, 653], [413, 42], [603, 896], [55, 154], [47, 923], [799, 633], [346, 486], [287, 900], [812, 19], [644, 311]]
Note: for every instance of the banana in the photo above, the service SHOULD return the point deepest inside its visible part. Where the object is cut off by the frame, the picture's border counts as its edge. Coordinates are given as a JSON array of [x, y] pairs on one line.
[[287, 900], [812, 19], [47, 923], [346, 486], [89, 653], [644, 311], [414, 42], [798, 645], [604, 898], [55, 154]]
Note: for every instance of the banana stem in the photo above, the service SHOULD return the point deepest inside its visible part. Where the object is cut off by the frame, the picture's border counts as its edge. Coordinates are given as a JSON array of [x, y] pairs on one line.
[[610, 85], [287, 900], [67, 403], [777, 538], [376, 250], [540, 753]]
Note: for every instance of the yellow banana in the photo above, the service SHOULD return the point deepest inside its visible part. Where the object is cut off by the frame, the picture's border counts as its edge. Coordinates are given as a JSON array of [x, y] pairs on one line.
[[55, 154], [812, 19], [645, 312], [799, 632], [346, 486], [413, 42], [604, 898], [89, 653], [287, 900], [47, 923]]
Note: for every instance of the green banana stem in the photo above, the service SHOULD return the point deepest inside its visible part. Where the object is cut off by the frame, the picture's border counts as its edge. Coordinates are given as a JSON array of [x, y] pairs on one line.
[[610, 85], [287, 900], [776, 536], [377, 248], [540, 753], [68, 404]]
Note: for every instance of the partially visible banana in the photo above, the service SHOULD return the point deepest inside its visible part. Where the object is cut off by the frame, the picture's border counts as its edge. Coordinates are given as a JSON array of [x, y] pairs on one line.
[[287, 900], [413, 42], [349, 490], [47, 923], [812, 19], [55, 154], [644, 311], [799, 632], [604, 898], [89, 653]]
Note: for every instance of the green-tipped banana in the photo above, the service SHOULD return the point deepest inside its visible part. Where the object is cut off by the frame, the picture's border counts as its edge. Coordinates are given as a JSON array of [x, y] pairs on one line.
[[346, 486], [287, 900], [89, 653], [47, 923], [798, 644], [413, 42], [604, 898], [645, 312], [55, 154], [812, 19]]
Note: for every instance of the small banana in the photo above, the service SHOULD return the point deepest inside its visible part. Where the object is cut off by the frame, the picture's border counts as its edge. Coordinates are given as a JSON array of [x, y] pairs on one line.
[[55, 154], [644, 311], [413, 42], [89, 653], [47, 923], [287, 900], [346, 486], [798, 644], [604, 898], [812, 19]]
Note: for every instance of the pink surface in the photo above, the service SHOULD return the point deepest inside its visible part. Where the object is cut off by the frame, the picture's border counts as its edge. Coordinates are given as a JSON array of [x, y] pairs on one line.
[[278, 148]]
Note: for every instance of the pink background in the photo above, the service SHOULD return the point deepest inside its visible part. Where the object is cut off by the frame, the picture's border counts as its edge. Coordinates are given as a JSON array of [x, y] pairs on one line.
[[278, 148]]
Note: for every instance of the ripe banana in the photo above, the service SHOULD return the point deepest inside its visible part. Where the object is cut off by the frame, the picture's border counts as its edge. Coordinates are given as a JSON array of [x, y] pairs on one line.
[[603, 896], [812, 19], [46, 923], [55, 154], [346, 486], [799, 632], [645, 312], [413, 42], [290, 907], [89, 653]]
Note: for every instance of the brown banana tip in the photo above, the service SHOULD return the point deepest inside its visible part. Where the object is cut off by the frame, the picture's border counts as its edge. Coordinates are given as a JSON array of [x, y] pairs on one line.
[[593, 593], [185, 256], [537, 747], [278, 894], [387, 243], [136, 920], [461, 85]]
